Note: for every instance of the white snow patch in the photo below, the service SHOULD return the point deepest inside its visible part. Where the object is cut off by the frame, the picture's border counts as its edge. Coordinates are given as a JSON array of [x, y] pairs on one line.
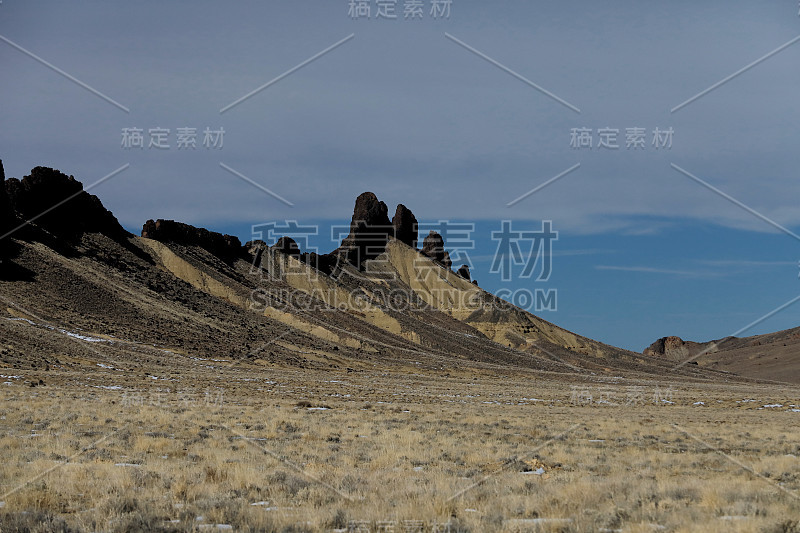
[[699, 403], [262, 503], [774, 405], [538, 472]]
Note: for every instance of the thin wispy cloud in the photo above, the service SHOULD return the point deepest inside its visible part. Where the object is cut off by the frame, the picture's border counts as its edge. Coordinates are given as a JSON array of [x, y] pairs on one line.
[[657, 270], [744, 263]]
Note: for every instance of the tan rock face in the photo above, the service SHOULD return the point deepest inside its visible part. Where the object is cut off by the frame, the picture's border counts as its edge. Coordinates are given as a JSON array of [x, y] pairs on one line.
[[668, 347]]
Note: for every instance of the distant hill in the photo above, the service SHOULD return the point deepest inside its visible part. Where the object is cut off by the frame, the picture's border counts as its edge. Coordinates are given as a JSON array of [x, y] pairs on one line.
[[772, 356]]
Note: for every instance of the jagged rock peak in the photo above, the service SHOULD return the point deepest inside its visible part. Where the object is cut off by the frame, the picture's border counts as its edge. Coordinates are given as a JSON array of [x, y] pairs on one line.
[[287, 245], [370, 230], [255, 246], [665, 346], [446, 261], [433, 247], [463, 271], [223, 246], [405, 226], [369, 211], [78, 212]]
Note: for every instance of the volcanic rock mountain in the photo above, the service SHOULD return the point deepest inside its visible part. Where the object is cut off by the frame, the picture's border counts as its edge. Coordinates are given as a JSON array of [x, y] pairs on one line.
[[76, 289]]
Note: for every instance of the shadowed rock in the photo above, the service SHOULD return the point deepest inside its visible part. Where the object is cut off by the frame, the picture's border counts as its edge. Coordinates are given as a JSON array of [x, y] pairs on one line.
[[287, 245], [370, 230], [60, 205], [433, 247], [446, 261], [6, 215], [463, 271], [405, 226], [225, 247]]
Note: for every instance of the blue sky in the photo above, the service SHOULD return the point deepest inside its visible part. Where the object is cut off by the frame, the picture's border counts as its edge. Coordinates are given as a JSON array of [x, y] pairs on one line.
[[404, 110]]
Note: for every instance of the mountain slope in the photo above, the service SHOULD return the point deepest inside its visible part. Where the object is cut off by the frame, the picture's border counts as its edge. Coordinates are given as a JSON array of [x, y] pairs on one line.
[[95, 295]]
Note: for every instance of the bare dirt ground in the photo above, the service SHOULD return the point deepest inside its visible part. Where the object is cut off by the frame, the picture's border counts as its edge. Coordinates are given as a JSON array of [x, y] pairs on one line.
[[214, 445]]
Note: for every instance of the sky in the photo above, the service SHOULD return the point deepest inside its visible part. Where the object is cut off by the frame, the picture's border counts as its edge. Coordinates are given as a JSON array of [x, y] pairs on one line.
[[680, 219]]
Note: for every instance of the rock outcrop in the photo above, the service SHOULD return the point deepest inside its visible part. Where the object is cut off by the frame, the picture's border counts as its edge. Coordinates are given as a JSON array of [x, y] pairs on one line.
[[677, 349], [463, 271], [3, 198], [255, 247], [287, 245], [58, 204], [433, 247], [225, 247], [6, 214], [370, 230], [668, 347], [323, 262], [405, 226]]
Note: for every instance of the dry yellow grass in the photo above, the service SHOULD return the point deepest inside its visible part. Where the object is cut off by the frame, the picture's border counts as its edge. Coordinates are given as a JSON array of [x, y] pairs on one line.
[[289, 450]]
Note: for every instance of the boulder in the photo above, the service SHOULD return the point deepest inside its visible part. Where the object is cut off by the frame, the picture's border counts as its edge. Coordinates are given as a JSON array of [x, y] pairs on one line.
[[225, 247], [463, 271], [405, 226]]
